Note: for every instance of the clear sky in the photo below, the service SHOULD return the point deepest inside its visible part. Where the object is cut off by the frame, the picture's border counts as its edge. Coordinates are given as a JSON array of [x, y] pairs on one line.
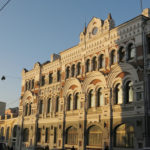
[[31, 30]]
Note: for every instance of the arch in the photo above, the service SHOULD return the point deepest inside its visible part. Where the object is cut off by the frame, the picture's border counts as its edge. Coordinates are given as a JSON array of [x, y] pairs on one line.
[[93, 76], [125, 68], [94, 136], [69, 83], [124, 136], [72, 136]]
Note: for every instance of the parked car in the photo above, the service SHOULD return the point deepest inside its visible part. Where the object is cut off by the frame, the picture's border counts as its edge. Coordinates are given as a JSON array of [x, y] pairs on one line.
[[3, 146]]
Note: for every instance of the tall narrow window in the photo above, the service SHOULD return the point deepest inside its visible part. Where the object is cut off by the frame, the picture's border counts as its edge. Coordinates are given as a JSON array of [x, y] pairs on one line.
[[100, 99], [50, 78], [91, 99], [118, 94], [67, 72], [113, 57], [57, 104], [32, 83], [129, 92], [40, 107], [26, 86], [101, 61], [94, 63], [30, 108], [7, 133], [76, 101], [73, 70], [2, 131], [88, 65], [48, 105], [131, 51], [55, 135], [121, 53], [26, 109], [58, 75], [47, 135], [38, 134], [43, 81], [69, 102], [78, 68], [25, 135]]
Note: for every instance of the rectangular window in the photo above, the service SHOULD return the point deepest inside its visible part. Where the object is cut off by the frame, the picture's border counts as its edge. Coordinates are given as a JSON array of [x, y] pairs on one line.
[[47, 135], [55, 135], [58, 76], [148, 43], [50, 78], [38, 134], [32, 83], [40, 107]]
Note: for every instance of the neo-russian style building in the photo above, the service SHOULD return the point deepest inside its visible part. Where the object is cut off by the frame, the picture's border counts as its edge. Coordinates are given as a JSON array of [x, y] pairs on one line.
[[93, 95]]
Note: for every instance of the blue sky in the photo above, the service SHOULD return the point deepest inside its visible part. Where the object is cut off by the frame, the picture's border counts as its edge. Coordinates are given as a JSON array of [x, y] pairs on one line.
[[31, 30]]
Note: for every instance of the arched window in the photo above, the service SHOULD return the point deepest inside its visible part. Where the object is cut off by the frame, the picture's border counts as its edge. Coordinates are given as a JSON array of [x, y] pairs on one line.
[[113, 57], [15, 131], [76, 101], [26, 109], [131, 51], [67, 72], [25, 135], [101, 61], [87, 65], [7, 133], [94, 63], [118, 94], [32, 83], [30, 108], [72, 136], [78, 68], [40, 107], [73, 70], [95, 136], [124, 136], [57, 104], [100, 99], [69, 102], [91, 99], [121, 54], [129, 92], [48, 105]]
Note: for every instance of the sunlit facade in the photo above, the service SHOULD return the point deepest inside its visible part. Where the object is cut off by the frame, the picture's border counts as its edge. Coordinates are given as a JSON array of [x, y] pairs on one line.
[[92, 95]]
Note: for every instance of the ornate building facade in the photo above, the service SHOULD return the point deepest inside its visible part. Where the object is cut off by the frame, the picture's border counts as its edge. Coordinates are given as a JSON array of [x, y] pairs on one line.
[[92, 95]]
